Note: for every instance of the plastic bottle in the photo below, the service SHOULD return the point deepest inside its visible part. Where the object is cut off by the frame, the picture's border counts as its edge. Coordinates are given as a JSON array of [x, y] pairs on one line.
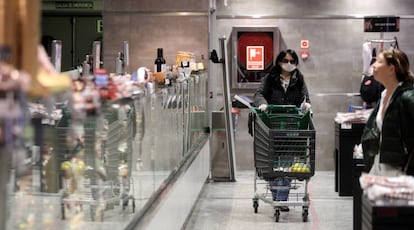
[[351, 108]]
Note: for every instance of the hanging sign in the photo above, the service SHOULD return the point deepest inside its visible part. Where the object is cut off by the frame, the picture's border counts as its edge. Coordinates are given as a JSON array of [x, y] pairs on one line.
[[255, 57], [382, 24], [74, 5]]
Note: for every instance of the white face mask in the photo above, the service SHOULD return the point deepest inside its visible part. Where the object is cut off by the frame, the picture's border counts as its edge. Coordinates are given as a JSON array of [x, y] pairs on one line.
[[288, 67]]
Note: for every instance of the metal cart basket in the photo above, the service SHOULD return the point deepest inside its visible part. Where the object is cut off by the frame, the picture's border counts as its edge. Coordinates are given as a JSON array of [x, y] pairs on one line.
[[106, 152], [86, 181], [284, 157]]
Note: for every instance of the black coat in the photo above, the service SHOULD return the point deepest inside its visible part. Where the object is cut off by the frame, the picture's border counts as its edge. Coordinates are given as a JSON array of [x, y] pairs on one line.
[[397, 140], [271, 91]]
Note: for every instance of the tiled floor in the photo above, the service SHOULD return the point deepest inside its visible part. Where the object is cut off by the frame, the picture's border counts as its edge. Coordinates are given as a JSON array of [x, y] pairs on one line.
[[228, 206]]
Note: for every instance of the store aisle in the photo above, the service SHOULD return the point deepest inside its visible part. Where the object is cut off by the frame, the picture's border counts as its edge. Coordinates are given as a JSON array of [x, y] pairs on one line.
[[228, 206]]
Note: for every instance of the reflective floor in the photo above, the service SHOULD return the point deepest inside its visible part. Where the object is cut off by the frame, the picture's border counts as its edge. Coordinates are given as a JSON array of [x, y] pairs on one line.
[[228, 206], [43, 212]]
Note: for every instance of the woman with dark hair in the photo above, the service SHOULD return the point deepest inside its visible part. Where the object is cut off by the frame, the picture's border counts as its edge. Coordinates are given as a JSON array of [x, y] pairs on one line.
[[284, 85], [388, 137]]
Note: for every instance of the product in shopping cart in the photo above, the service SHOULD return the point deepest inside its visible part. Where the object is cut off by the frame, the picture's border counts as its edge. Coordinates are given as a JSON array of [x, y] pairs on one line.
[[280, 189]]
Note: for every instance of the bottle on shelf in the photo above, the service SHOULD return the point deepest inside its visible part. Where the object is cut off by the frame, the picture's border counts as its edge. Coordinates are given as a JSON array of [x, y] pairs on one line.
[[159, 64], [119, 64], [86, 66]]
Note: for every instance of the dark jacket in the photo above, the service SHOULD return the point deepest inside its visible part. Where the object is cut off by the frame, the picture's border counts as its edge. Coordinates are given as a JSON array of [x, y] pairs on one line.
[[271, 91], [397, 131]]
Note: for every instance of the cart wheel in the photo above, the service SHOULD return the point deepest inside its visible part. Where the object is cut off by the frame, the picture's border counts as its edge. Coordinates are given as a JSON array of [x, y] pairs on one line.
[[133, 205], [255, 205], [305, 215], [277, 215]]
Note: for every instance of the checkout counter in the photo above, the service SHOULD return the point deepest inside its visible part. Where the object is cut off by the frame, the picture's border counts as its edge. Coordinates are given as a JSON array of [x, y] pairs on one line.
[[387, 214], [347, 168], [347, 135]]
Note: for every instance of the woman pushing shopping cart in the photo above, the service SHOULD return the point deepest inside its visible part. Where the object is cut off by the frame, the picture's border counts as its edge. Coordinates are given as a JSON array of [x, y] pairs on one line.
[[284, 136]]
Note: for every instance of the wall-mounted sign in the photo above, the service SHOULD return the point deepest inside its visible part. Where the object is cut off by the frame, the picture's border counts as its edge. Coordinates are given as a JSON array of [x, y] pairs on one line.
[[304, 54], [255, 57], [74, 5], [304, 44], [381, 24], [99, 26]]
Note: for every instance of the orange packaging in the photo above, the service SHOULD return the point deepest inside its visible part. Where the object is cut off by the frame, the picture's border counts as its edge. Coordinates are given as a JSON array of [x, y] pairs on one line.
[[159, 77]]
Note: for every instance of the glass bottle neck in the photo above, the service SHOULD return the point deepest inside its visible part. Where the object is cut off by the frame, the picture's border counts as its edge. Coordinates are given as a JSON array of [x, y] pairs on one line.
[[159, 53]]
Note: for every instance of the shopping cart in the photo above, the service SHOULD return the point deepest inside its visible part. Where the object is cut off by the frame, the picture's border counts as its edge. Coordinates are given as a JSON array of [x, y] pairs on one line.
[[284, 157], [118, 149], [84, 179]]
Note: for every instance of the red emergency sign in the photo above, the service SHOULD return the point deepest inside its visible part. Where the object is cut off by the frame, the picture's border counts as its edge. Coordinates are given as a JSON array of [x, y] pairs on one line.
[[255, 57], [304, 44]]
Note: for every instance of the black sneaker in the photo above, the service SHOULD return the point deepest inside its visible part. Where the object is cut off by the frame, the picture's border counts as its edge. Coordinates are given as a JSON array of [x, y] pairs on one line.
[[284, 208]]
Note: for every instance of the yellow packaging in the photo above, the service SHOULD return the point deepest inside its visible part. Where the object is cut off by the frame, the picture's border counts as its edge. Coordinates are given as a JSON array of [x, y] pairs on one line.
[[183, 56]]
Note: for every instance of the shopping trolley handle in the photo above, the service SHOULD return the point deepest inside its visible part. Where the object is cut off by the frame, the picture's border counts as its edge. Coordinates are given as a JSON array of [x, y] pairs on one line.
[[278, 109], [283, 108]]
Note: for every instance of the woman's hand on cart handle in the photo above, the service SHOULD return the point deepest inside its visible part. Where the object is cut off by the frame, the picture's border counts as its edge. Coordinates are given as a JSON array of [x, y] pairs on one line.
[[304, 107], [263, 107]]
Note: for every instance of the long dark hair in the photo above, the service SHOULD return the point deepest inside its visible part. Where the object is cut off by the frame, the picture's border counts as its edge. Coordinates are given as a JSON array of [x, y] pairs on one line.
[[277, 70]]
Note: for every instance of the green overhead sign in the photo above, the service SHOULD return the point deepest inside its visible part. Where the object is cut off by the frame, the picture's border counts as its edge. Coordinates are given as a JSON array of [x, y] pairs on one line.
[[99, 25], [74, 5]]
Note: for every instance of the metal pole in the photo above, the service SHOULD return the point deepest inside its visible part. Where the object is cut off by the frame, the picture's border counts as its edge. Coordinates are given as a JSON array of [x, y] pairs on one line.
[[227, 110], [211, 81], [57, 55], [126, 57], [74, 41], [96, 55]]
